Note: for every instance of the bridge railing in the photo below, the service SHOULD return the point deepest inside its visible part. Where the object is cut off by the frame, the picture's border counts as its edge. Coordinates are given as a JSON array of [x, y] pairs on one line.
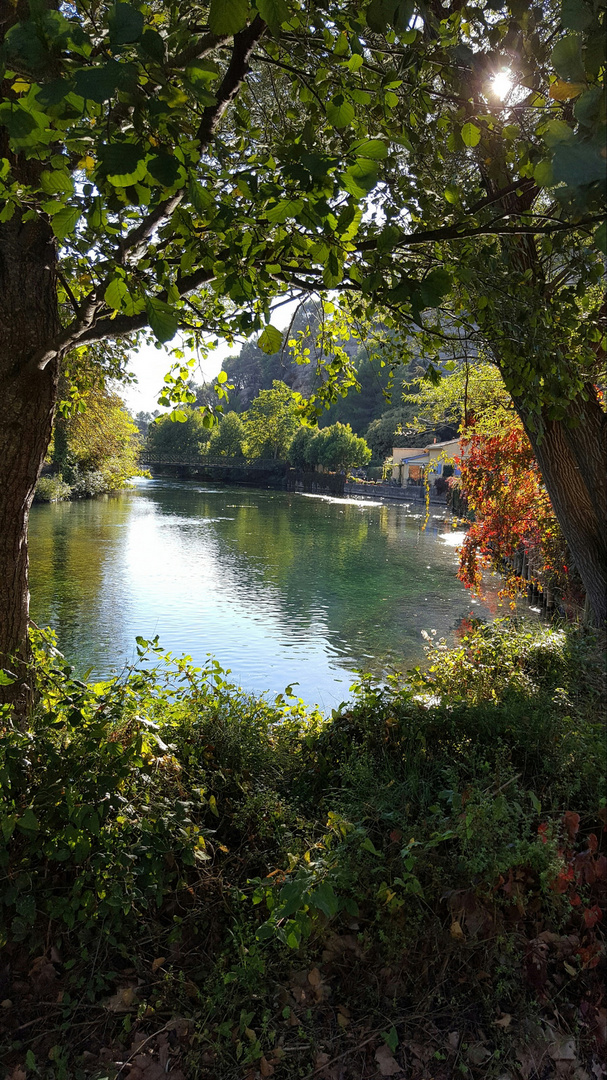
[[199, 460]]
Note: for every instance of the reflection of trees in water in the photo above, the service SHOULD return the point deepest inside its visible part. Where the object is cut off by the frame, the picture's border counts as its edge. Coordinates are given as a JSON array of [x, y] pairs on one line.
[[357, 577], [71, 546]]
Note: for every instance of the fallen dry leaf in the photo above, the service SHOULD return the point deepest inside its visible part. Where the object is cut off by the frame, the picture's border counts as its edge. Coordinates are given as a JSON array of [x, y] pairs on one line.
[[456, 930], [564, 1050], [265, 1068], [504, 1021], [386, 1062], [477, 1054], [122, 1000], [314, 977], [158, 962]]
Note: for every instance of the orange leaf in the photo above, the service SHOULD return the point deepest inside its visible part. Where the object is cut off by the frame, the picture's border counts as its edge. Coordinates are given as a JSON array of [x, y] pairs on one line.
[[571, 821], [564, 91]]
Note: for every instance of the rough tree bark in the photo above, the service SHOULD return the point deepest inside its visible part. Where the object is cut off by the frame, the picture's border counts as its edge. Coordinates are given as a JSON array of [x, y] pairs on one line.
[[572, 463], [28, 321]]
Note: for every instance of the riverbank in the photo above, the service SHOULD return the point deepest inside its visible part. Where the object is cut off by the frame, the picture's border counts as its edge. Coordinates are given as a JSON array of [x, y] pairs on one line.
[[415, 496], [201, 884]]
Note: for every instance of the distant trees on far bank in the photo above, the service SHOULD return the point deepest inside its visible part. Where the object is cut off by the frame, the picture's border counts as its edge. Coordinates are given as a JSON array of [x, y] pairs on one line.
[[95, 448], [334, 447], [271, 428]]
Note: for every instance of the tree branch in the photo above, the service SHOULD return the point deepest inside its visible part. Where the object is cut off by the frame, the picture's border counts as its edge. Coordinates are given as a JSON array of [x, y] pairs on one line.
[[456, 232], [244, 43]]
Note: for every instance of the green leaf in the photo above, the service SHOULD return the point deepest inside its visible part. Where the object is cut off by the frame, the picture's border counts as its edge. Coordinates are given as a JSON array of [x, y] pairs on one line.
[[284, 209], [163, 319], [19, 122], [6, 679], [587, 108], [56, 182], [600, 238], [566, 58], [368, 845], [125, 23], [114, 293], [165, 169], [543, 174], [65, 221], [97, 83], [557, 131], [274, 12], [54, 91], [325, 900], [576, 15], [118, 297], [340, 112], [471, 134], [28, 822], [270, 341], [391, 1039], [123, 163], [434, 287], [332, 271], [373, 149], [578, 164], [228, 16], [384, 13], [360, 178], [199, 196], [152, 44]]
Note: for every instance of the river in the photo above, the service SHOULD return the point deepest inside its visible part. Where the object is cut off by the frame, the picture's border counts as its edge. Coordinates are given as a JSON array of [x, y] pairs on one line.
[[282, 588]]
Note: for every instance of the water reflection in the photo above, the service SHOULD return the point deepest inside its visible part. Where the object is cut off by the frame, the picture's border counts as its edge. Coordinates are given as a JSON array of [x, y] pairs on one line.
[[279, 587]]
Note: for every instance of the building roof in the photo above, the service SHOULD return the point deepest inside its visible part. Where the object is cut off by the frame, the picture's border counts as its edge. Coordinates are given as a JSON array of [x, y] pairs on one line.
[[440, 445]]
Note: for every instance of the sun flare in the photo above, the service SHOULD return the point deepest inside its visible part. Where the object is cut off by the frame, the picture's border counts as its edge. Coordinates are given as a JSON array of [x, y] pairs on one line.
[[501, 84]]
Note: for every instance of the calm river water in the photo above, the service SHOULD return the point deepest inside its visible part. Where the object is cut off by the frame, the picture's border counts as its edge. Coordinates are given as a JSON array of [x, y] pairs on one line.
[[281, 587]]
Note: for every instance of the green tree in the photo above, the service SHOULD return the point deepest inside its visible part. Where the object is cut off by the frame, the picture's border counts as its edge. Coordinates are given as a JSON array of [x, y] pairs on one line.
[[340, 448], [299, 450], [227, 440], [171, 439], [272, 421], [103, 439]]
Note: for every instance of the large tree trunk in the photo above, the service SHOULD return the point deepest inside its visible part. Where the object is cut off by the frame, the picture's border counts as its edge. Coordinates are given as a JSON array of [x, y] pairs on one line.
[[572, 463], [28, 321]]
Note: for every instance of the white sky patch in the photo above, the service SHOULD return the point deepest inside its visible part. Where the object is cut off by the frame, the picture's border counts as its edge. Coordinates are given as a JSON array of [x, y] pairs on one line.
[[150, 365]]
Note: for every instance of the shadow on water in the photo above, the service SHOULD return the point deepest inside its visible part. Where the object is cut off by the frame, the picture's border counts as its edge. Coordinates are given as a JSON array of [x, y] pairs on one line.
[[280, 587]]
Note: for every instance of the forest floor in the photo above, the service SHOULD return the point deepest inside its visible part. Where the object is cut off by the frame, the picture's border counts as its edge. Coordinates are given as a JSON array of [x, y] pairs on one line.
[[200, 884]]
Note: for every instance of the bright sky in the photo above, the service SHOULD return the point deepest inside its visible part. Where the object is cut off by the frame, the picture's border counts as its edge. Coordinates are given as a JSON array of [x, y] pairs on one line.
[[150, 365]]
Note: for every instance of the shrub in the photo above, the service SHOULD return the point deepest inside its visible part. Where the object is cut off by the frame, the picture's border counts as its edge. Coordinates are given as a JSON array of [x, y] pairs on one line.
[[51, 489]]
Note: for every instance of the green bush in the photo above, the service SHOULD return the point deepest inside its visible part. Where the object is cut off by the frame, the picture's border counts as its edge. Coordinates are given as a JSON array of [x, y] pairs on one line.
[[167, 812], [51, 489]]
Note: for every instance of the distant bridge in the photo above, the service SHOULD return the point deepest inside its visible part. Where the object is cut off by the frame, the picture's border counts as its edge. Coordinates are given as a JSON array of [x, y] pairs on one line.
[[236, 470], [199, 461]]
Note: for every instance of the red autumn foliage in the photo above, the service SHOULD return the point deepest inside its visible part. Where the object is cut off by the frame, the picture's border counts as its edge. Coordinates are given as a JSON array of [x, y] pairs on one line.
[[501, 482]]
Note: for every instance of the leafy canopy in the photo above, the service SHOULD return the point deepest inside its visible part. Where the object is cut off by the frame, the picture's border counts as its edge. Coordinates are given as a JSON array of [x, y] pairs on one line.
[[227, 152]]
